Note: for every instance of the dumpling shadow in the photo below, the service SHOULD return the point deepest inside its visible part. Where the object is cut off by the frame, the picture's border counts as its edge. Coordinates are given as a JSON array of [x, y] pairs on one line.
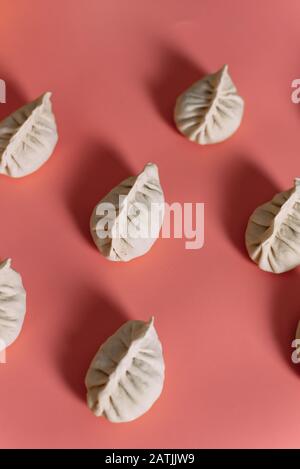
[[176, 73], [286, 313], [102, 169], [15, 97], [94, 319], [245, 186]]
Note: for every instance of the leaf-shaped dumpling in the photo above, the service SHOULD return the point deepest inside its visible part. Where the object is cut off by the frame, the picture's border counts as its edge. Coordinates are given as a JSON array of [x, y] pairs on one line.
[[12, 304], [273, 232], [127, 374], [210, 110], [127, 221], [27, 138]]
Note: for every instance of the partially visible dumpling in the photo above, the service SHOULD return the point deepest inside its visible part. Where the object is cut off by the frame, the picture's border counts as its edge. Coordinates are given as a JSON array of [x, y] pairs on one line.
[[210, 110], [126, 222], [12, 304], [127, 374], [27, 138], [273, 232]]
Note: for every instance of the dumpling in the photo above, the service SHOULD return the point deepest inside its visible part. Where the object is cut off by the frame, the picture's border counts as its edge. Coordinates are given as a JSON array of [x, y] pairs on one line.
[[27, 138], [273, 232], [210, 110], [126, 223], [12, 304], [127, 374]]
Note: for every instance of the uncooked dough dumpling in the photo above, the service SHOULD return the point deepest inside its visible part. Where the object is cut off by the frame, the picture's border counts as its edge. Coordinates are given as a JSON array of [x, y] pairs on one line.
[[127, 374], [273, 232], [12, 304], [209, 111], [27, 138], [127, 221]]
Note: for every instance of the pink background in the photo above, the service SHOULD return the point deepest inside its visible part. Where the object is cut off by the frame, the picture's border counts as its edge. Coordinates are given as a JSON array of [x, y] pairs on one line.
[[115, 69]]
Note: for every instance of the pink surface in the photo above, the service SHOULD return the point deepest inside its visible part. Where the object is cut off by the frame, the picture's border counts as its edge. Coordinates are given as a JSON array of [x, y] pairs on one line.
[[115, 69]]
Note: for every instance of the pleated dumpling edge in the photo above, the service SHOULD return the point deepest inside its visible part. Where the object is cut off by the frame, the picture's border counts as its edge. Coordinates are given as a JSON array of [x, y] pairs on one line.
[[211, 110], [127, 221], [27, 138], [126, 375], [12, 304], [273, 232]]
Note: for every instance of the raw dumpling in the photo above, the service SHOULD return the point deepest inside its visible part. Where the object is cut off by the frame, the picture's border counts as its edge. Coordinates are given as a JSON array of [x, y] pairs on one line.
[[27, 138], [12, 304], [127, 374], [209, 111], [126, 228], [273, 232]]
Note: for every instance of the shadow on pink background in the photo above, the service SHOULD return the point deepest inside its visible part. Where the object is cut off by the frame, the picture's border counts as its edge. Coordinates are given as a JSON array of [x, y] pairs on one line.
[[115, 69]]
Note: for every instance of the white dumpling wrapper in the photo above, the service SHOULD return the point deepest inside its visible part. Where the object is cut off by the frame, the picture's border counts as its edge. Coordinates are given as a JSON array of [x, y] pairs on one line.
[[210, 111], [139, 217], [12, 304], [126, 376], [27, 138], [273, 232]]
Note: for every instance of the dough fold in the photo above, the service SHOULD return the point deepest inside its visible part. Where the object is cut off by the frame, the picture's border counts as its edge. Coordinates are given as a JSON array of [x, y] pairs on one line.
[[127, 374], [210, 111]]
